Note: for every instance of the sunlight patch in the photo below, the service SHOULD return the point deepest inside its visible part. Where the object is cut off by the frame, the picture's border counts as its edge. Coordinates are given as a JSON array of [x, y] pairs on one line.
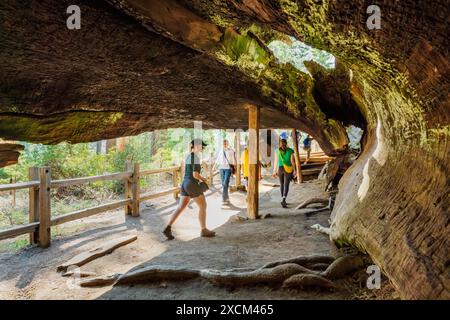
[[298, 52]]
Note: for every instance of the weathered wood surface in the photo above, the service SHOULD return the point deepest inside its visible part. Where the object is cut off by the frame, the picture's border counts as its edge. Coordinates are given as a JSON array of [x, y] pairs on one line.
[[253, 174], [84, 180], [153, 195], [83, 213], [19, 230], [100, 251], [100, 281], [44, 207], [18, 185]]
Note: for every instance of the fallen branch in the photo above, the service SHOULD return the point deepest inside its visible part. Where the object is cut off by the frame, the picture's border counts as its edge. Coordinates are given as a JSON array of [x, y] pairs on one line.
[[104, 249]]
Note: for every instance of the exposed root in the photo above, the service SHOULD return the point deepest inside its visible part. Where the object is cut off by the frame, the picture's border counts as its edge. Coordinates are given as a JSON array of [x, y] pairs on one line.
[[260, 276], [78, 273], [302, 281], [319, 266], [321, 229], [100, 281], [306, 261], [329, 206], [299, 272], [306, 203], [158, 273], [343, 266]]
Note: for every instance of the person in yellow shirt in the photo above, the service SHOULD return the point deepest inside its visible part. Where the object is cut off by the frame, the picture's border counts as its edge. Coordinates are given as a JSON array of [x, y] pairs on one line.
[[245, 165]]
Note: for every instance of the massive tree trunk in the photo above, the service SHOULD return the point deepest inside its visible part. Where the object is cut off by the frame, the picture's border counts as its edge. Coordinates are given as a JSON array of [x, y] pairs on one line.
[[171, 62]]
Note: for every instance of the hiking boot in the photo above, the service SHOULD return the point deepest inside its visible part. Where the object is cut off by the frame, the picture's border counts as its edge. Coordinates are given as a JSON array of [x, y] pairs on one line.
[[168, 233], [208, 233], [284, 204]]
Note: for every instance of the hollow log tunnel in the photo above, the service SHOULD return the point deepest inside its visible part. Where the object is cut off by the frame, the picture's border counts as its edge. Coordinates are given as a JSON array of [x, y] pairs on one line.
[[140, 65]]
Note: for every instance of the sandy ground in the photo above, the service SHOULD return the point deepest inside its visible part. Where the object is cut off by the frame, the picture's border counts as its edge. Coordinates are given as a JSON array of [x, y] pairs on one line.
[[31, 273]]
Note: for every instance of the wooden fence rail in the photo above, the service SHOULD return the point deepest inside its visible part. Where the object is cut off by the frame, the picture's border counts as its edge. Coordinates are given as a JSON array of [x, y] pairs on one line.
[[40, 185]]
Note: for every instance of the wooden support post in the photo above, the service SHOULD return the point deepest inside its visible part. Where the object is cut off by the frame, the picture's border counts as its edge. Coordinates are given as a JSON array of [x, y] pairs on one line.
[[13, 192], [128, 183], [253, 148], [237, 149], [44, 207], [121, 142], [297, 157], [135, 191], [175, 182], [33, 202]]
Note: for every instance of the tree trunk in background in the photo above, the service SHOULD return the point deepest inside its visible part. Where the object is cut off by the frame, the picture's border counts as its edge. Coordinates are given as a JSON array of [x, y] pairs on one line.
[[121, 143], [110, 143], [153, 138], [98, 146]]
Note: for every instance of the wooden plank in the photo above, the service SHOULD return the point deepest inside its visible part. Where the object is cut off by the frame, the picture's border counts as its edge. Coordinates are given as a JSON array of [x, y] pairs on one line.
[[135, 191], [19, 185], [44, 207], [298, 165], [253, 148], [154, 171], [307, 172], [150, 195], [100, 251], [237, 149], [84, 180], [33, 203], [19, 230], [88, 212]]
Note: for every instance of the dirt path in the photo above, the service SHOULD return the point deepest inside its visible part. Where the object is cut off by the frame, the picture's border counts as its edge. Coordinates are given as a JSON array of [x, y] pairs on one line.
[[31, 273]]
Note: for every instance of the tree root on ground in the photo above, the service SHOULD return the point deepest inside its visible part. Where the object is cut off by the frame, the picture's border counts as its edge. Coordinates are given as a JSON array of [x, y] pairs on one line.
[[308, 202], [318, 271], [329, 205], [321, 229]]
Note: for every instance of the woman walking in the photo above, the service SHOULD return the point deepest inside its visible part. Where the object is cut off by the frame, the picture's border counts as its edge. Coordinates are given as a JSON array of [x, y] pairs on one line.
[[284, 169], [193, 186]]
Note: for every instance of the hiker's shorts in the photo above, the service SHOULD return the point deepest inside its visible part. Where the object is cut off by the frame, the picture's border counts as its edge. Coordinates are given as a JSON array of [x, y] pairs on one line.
[[190, 188]]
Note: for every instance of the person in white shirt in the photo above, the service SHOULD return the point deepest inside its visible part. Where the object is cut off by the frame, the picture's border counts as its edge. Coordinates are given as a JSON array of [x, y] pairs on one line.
[[226, 162]]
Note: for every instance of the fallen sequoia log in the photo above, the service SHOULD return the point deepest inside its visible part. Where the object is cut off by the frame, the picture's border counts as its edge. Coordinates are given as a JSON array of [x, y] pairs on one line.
[[299, 272], [392, 202], [97, 252]]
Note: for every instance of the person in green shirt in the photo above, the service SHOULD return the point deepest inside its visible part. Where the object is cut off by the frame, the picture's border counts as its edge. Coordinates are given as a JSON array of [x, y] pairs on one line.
[[284, 168]]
